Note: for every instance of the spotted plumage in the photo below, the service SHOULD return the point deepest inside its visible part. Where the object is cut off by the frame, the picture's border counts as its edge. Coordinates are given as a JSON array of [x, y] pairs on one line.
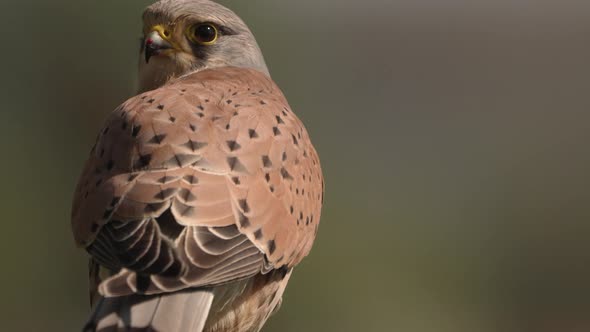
[[204, 192]]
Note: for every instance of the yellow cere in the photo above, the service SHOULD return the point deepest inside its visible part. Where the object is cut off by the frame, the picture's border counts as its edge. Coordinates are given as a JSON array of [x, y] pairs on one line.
[[162, 31]]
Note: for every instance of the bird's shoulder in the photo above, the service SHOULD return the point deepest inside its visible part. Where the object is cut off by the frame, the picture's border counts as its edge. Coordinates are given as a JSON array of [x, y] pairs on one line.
[[232, 131]]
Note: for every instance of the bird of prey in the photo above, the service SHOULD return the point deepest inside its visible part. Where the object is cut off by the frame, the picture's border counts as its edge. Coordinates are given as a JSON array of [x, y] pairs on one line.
[[203, 192]]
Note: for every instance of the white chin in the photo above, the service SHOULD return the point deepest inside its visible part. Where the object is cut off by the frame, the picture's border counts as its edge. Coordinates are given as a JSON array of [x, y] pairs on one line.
[[156, 72]]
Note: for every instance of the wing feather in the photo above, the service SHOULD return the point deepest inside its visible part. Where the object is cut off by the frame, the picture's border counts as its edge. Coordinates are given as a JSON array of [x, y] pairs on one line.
[[219, 153]]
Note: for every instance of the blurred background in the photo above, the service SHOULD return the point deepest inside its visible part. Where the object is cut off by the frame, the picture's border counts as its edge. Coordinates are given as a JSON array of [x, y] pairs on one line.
[[453, 135]]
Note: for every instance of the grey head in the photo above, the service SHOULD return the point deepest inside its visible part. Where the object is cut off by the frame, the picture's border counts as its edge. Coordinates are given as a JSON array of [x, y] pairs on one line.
[[185, 36]]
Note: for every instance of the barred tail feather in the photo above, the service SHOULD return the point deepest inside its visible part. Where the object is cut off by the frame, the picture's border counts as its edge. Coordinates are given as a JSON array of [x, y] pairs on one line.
[[185, 311]]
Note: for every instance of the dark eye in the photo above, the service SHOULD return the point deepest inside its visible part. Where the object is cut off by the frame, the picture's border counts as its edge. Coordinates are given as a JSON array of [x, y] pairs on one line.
[[205, 34]]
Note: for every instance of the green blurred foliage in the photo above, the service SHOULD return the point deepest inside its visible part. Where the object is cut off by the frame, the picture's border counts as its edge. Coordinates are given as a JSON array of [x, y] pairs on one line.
[[453, 136]]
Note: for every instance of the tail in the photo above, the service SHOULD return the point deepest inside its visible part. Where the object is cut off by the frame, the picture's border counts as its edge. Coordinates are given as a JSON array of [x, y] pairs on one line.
[[185, 311]]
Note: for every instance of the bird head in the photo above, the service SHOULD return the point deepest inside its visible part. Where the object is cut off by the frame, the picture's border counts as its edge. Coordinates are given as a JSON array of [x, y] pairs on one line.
[[185, 36]]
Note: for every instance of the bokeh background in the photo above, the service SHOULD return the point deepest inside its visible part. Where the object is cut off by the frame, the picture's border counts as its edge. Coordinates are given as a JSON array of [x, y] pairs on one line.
[[453, 134]]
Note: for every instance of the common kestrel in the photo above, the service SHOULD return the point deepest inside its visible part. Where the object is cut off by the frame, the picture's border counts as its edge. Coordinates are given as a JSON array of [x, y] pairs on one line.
[[203, 192]]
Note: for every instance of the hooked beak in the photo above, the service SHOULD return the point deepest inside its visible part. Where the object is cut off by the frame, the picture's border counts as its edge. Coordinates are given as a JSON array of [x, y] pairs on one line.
[[157, 42]]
